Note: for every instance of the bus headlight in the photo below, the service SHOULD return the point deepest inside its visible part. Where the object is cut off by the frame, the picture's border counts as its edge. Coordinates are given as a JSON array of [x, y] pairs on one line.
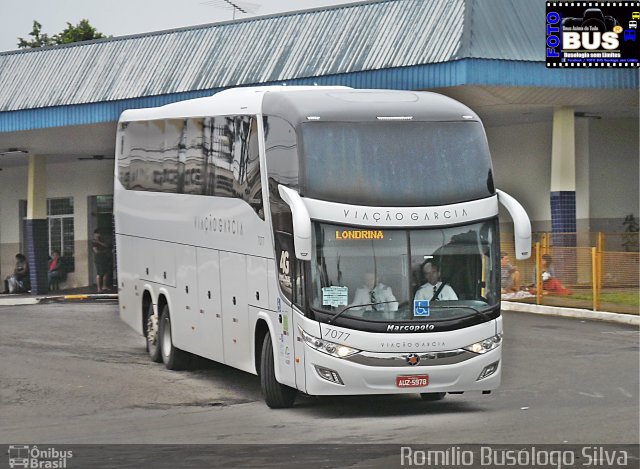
[[485, 345], [324, 346]]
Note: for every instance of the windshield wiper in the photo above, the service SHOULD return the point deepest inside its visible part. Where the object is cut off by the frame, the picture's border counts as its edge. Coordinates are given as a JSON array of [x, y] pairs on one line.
[[339, 313], [475, 310]]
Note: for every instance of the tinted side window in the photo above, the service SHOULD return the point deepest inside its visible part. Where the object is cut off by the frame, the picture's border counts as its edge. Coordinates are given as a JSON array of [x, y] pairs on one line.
[[232, 166], [124, 157], [216, 156], [143, 163], [192, 158], [253, 189], [168, 173], [220, 181], [281, 151]]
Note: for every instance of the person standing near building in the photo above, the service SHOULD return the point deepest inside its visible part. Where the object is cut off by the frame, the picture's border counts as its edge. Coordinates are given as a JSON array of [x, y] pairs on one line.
[[18, 282], [102, 260]]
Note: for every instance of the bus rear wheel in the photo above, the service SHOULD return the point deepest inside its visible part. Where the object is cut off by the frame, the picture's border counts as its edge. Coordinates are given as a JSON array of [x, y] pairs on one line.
[[276, 395], [432, 396], [151, 335], [173, 358]]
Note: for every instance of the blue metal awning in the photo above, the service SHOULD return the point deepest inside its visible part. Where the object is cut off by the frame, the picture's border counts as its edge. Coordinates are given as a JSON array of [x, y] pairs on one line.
[[471, 72]]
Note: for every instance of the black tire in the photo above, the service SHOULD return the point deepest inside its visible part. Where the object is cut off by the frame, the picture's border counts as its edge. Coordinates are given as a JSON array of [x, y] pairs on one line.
[[432, 396], [152, 338], [276, 395], [173, 357]]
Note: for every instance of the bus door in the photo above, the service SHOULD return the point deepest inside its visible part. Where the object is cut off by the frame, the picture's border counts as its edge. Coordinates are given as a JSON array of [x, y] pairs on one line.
[[289, 354]]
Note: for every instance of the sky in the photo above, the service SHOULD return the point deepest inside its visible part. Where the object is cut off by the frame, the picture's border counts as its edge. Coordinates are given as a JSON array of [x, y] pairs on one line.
[[125, 17]]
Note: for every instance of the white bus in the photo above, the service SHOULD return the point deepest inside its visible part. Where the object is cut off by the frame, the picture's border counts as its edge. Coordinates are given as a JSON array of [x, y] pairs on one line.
[[286, 231]]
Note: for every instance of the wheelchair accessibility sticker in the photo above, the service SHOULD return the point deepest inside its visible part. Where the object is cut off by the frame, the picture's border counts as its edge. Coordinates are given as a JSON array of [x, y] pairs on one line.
[[421, 308]]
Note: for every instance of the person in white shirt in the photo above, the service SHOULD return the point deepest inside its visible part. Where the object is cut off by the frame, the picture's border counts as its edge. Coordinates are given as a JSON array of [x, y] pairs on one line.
[[375, 295], [434, 290]]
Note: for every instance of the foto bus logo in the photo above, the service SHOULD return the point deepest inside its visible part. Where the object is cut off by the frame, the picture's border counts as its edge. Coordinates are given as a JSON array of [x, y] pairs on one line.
[[591, 34], [553, 34], [586, 32]]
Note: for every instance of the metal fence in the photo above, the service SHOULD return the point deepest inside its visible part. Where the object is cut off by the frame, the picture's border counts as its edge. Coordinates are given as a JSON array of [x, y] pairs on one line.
[[598, 271]]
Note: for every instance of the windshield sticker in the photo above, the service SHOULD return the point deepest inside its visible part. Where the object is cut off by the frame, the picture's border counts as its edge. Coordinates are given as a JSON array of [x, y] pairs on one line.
[[360, 234], [335, 296], [421, 308]]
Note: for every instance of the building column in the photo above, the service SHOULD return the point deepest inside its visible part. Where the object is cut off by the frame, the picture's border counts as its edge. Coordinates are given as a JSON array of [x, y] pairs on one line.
[[563, 172], [36, 224], [583, 210]]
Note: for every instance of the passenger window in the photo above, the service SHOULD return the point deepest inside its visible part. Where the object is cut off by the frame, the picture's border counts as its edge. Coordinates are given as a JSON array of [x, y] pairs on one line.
[[192, 160], [216, 156]]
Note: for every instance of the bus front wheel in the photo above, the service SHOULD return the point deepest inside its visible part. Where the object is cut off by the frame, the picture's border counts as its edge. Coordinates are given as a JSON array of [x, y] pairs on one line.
[[151, 335], [276, 395], [173, 358]]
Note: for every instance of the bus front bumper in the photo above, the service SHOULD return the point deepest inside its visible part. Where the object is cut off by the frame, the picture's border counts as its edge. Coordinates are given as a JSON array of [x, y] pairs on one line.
[[327, 375]]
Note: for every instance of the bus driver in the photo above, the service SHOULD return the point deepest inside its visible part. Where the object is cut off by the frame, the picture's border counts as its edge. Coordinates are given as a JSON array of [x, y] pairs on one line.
[[434, 289]]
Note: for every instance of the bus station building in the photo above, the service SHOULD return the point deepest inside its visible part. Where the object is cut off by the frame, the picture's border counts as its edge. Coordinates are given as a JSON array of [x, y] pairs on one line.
[[564, 142]]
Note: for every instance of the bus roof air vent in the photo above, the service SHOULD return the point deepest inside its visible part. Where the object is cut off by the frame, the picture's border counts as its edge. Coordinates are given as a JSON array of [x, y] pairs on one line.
[[376, 96], [394, 118]]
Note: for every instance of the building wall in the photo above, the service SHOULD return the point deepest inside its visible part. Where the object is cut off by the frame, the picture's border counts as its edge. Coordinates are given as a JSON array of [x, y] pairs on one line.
[[607, 170], [522, 168], [13, 188], [77, 179], [615, 192]]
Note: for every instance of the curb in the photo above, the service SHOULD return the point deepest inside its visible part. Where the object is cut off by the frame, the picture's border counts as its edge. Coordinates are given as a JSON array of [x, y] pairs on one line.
[[571, 313], [80, 297], [56, 298], [18, 301]]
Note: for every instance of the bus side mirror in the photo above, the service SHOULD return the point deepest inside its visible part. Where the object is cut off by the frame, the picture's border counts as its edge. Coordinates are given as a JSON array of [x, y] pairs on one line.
[[521, 222], [301, 222]]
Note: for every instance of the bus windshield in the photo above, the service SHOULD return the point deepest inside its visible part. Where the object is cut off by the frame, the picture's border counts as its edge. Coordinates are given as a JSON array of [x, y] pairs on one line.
[[395, 163], [404, 275]]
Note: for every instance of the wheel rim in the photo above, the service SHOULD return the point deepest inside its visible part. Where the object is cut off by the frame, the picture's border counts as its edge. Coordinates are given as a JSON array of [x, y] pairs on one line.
[[152, 332], [166, 338]]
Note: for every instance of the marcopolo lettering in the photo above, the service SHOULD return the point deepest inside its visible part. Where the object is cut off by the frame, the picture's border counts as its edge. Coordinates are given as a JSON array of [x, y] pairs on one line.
[[410, 328]]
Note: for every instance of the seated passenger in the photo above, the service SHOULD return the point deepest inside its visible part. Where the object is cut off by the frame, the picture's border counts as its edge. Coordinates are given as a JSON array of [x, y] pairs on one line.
[[550, 284], [57, 272], [18, 282], [434, 289], [375, 295], [509, 275]]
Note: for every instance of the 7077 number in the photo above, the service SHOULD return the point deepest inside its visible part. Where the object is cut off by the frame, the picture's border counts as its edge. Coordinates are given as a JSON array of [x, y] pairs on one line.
[[335, 334]]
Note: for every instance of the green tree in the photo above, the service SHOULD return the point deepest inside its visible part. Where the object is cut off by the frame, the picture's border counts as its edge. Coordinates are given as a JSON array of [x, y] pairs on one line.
[[39, 39], [83, 31]]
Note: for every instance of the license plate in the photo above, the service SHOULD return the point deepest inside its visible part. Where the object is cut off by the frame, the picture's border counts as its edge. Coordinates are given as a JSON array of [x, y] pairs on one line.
[[413, 381]]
